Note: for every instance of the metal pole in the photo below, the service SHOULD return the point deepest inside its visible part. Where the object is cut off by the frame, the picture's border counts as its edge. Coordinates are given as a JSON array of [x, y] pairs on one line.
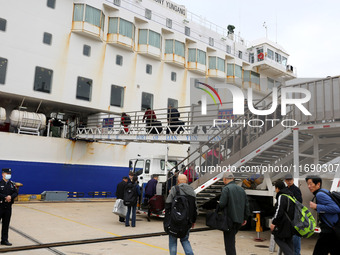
[[296, 156]]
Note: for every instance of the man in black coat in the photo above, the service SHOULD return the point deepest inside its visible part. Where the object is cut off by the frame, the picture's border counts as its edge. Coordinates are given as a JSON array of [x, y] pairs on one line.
[[8, 192], [297, 194], [281, 226], [120, 192]]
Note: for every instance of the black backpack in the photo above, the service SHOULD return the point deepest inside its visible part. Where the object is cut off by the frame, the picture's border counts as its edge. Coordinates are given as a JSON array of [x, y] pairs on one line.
[[177, 221], [127, 120], [130, 194]]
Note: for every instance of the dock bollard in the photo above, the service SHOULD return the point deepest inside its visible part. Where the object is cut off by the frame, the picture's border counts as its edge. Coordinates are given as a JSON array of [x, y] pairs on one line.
[[259, 229]]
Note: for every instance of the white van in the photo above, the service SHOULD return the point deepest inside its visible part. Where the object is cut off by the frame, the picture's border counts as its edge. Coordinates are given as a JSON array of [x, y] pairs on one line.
[[144, 168]]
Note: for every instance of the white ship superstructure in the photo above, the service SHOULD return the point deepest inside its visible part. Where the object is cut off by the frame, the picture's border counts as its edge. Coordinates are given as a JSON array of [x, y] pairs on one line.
[[71, 60]]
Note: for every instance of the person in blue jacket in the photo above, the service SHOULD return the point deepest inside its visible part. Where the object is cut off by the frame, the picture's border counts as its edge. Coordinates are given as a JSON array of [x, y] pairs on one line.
[[150, 191], [328, 212]]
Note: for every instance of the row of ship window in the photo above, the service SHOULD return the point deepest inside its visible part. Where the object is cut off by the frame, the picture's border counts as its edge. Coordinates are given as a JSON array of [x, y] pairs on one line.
[[43, 83], [126, 28]]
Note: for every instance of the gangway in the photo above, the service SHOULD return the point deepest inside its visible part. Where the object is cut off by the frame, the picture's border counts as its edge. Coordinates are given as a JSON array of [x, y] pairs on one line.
[[304, 149], [193, 127]]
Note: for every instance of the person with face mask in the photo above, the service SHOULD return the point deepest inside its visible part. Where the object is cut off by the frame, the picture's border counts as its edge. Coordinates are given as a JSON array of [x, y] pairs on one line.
[[8, 192]]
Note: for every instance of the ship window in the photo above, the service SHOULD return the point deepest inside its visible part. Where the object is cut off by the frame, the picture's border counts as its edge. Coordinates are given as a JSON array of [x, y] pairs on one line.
[[228, 49], [47, 38], [119, 60], [187, 31], [217, 63], [221, 64], [251, 58], [149, 69], [78, 12], [240, 54], [238, 71], [211, 41], [148, 13], [173, 76], [270, 54], [230, 69], [117, 96], [116, 2], [93, 15], [284, 60], [277, 57], [212, 62], [173, 46], [169, 23], [51, 3], [43, 79], [255, 77], [149, 37], [84, 89], [173, 103], [87, 50], [3, 70], [196, 55], [3, 24], [147, 101]]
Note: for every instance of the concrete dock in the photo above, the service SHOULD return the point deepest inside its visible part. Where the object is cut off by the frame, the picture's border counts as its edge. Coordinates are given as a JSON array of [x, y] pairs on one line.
[[45, 222]]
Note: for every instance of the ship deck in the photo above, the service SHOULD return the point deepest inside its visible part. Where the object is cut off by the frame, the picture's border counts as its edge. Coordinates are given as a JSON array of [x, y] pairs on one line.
[[98, 231]]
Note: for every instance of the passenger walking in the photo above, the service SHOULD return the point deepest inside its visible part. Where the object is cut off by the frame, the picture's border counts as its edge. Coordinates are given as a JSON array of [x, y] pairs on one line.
[[297, 194], [149, 117], [188, 192], [131, 194], [173, 121], [8, 192], [328, 212], [190, 173], [125, 121], [281, 226], [120, 192], [172, 179], [235, 199], [150, 191]]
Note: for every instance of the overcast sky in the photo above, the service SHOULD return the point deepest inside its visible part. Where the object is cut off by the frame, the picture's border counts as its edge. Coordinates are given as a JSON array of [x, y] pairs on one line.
[[308, 30]]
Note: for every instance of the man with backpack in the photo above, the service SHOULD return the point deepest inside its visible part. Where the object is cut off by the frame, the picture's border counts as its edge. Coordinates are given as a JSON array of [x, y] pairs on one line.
[[235, 199], [131, 194], [281, 226], [328, 212], [180, 215]]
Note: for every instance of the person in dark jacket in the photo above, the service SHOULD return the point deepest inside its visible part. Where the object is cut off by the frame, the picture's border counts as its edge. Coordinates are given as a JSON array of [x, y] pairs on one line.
[[190, 194], [8, 192], [150, 191], [281, 226], [328, 212], [120, 193], [235, 199], [133, 207], [297, 194]]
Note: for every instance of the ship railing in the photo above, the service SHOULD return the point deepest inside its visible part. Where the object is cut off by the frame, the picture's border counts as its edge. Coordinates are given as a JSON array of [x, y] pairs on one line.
[[191, 121]]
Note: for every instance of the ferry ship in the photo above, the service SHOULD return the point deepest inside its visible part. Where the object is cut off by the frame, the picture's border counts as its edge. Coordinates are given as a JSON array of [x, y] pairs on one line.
[[65, 63]]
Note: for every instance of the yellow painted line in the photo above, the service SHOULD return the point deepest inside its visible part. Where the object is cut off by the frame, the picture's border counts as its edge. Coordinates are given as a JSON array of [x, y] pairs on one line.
[[83, 224]]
